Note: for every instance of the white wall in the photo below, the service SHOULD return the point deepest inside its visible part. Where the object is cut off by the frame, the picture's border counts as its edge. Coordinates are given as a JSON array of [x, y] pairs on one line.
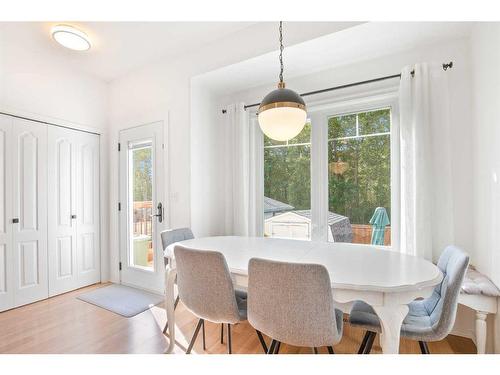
[[485, 42], [32, 81], [38, 86], [485, 53], [207, 170]]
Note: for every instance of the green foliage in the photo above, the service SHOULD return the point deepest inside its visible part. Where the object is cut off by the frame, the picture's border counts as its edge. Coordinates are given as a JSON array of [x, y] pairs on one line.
[[287, 171], [366, 183], [355, 193], [342, 126], [142, 174]]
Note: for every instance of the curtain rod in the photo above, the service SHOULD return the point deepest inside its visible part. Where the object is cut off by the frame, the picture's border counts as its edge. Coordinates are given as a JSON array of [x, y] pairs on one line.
[[48, 123], [445, 68]]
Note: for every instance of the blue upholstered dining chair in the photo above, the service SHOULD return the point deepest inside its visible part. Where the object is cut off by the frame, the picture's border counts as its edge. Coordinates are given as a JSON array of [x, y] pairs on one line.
[[429, 319], [169, 237]]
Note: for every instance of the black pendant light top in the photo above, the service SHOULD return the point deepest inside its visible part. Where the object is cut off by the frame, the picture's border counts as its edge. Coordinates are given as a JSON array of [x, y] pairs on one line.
[[282, 97]]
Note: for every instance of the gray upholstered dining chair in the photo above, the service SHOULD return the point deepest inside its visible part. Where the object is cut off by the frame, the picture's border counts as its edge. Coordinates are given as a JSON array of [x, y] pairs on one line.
[[292, 303], [169, 237], [206, 289], [429, 319]]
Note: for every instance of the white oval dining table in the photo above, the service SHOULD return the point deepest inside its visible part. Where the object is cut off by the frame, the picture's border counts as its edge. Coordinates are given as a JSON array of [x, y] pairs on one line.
[[387, 280]]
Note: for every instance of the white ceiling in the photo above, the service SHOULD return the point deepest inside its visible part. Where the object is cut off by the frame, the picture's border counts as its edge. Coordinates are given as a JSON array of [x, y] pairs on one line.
[[119, 47], [365, 41]]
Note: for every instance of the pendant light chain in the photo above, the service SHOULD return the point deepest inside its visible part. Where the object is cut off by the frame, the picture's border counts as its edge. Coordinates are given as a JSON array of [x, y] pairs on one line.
[[282, 112], [281, 52]]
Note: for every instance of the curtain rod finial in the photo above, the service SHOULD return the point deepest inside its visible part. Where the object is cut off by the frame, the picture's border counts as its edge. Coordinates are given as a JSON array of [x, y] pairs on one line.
[[448, 66]]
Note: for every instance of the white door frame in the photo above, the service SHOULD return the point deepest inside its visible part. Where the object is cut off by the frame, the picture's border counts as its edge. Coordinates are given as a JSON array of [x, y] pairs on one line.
[[6, 226], [129, 275]]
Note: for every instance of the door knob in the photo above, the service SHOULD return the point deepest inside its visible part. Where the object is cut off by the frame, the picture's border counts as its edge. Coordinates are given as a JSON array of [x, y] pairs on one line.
[[73, 216], [159, 214], [15, 220]]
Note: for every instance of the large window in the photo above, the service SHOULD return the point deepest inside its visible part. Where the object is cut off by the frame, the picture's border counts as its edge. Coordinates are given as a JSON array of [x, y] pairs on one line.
[[359, 177], [287, 186], [350, 154]]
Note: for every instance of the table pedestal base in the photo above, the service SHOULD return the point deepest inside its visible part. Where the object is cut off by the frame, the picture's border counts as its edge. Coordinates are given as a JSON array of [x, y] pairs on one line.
[[391, 319], [170, 275]]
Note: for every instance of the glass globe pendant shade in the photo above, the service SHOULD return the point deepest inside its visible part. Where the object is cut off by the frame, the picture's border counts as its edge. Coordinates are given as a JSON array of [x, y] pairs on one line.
[[282, 114]]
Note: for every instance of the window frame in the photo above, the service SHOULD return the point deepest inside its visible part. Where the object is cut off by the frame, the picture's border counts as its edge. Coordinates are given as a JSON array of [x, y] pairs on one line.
[[318, 113]]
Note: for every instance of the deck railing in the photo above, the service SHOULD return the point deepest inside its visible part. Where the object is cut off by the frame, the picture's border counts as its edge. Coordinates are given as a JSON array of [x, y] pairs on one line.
[[362, 233], [142, 218]]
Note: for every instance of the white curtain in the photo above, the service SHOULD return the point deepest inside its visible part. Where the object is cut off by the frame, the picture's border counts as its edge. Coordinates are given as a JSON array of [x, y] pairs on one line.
[[426, 176], [241, 172]]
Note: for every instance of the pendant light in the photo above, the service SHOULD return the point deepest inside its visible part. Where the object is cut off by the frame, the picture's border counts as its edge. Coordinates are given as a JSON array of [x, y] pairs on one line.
[[282, 112]]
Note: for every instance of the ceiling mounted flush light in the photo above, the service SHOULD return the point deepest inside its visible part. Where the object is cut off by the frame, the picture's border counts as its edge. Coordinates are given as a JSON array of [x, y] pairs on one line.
[[70, 37], [282, 113]]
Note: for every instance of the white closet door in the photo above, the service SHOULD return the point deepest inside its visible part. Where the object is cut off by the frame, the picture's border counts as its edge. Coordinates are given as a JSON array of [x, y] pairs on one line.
[[87, 192], [62, 249], [29, 143], [6, 274]]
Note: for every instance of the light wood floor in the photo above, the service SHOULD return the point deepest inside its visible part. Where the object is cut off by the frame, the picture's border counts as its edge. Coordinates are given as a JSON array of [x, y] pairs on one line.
[[64, 324]]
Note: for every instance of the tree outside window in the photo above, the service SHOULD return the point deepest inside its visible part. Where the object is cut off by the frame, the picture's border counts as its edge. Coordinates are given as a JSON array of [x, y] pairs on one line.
[[359, 178]]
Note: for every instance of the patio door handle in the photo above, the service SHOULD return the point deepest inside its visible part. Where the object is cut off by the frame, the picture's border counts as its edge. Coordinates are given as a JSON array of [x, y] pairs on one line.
[[159, 214]]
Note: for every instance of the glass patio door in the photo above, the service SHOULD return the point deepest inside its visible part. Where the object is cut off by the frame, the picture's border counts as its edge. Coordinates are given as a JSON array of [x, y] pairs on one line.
[[141, 206]]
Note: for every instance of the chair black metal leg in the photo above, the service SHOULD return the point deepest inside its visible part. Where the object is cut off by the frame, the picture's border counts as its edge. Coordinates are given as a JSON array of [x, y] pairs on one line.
[[330, 350], [261, 339], [175, 306], [363, 343], [315, 350], [277, 347], [271, 347], [222, 333], [203, 335], [195, 334], [229, 349], [369, 343], [424, 348]]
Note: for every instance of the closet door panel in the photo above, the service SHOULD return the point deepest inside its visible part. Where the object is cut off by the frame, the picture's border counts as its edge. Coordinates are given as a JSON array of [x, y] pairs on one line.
[[65, 257], [28, 181], [62, 208], [6, 275], [88, 209], [88, 252], [29, 259], [29, 143], [3, 270]]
